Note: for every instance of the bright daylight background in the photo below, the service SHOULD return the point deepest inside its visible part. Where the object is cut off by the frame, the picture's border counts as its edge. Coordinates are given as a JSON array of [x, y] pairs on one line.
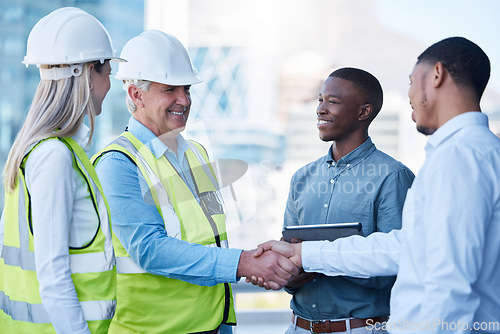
[[263, 62]]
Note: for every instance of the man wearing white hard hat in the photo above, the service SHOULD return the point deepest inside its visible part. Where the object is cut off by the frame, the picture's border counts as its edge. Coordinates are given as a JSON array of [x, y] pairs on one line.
[[173, 264], [57, 267]]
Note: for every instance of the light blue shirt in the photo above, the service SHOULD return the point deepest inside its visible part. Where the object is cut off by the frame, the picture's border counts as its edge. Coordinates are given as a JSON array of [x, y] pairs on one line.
[[140, 228], [447, 254], [365, 186]]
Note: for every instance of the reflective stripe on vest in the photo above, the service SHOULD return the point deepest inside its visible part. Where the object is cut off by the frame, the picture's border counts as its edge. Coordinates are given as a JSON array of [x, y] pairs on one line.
[[179, 208], [79, 263], [35, 313], [92, 267], [16, 250], [156, 191]]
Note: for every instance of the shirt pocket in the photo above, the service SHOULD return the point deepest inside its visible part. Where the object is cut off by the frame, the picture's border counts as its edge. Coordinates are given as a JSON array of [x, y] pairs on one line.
[[347, 211]]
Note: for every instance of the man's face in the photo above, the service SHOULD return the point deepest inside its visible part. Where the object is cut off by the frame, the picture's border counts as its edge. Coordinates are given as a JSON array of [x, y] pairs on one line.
[[166, 108], [423, 114], [339, 106]]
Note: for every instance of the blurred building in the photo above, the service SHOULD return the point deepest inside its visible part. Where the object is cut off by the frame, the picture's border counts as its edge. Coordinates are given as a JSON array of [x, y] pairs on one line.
[[223, 103], [264, 63], [123, 20]]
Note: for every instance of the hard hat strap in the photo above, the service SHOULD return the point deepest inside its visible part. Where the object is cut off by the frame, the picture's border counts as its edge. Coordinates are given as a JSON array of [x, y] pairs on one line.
[[57, 73]]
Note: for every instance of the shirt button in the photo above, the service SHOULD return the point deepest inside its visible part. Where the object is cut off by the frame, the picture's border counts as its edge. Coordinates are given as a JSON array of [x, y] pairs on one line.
[[313, 305], [348, 165], [331, 181], [325, 205]]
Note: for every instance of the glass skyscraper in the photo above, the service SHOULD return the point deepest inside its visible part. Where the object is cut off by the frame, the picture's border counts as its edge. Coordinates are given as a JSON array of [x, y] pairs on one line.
[[222, 104]]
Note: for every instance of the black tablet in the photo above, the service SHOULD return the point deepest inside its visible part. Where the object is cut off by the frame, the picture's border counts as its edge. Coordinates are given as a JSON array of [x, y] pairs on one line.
[[322, 231]]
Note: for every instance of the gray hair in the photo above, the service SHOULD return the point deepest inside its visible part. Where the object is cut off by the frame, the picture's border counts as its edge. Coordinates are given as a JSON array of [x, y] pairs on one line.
[[141, 84]]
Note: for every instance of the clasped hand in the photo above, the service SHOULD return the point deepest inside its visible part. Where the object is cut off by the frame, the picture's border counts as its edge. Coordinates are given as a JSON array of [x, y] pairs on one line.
[[281, 262]]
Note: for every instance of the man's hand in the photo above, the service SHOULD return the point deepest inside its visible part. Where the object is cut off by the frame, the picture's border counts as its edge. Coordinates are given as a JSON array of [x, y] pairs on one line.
[[303, 277], [276, 270], [291, 251]]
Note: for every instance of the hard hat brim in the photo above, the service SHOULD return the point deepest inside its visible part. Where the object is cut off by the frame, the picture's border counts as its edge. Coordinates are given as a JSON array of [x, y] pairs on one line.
[[112, 59], [118, 60]]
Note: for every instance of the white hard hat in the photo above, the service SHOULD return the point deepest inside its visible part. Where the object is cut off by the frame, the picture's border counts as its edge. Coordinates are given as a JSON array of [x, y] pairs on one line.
[[67, 36], [158, 57]]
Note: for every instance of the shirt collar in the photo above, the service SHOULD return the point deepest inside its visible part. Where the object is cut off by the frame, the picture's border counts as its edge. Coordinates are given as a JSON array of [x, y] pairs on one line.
[[82, 136], [152, 142], [353, 157], [453, 125]]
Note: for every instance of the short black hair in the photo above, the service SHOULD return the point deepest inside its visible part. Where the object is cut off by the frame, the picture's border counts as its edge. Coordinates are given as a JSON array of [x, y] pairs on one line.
[[466, 62], [368, 85]]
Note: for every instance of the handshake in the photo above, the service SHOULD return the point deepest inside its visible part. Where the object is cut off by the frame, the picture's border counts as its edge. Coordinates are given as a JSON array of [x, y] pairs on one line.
[[273, 265]]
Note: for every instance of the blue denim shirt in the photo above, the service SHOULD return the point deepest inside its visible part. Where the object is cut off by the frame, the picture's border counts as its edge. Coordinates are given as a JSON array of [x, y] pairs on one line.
[[365, 186], [140, 228]]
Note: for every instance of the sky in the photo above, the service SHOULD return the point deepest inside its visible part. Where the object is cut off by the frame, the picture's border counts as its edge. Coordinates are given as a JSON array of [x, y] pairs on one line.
[[429, 21]]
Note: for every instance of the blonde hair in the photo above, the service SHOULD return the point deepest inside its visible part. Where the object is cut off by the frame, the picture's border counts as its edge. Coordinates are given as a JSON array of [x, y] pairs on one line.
[[141, 84], [58, 109]]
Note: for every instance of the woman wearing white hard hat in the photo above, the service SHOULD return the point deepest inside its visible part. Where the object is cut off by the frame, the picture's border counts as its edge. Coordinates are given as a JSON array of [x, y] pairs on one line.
[[57, 267]]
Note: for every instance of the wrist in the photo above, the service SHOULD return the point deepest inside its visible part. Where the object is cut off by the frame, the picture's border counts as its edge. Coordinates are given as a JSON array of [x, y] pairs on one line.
[[241, 271]]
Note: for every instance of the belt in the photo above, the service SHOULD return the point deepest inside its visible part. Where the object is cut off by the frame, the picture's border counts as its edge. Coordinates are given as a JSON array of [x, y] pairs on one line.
[[333, 326]]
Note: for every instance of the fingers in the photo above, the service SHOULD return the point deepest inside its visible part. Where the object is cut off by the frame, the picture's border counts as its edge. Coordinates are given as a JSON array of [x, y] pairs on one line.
[[273, 285], [260, 282], [291, 251], [283, 248], [269, 269], [271, 265], [282, 268], [289, 266], [255, 280], [265, 266], [263, 247], [258, 252], [280, 247]]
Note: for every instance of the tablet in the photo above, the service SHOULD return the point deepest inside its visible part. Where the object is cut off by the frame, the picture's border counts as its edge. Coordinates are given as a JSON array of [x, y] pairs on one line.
[[322, 231]]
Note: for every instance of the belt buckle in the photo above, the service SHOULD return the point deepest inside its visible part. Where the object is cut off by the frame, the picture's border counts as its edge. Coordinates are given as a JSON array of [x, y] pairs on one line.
[[312, 323]]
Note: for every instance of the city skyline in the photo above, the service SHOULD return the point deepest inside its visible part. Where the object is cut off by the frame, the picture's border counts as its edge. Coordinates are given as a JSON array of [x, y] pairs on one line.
[[267, 116]]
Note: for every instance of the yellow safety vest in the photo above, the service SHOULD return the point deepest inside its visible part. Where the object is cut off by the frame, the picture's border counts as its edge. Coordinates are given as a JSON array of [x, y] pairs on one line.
[[92, 268], [150, 303]]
